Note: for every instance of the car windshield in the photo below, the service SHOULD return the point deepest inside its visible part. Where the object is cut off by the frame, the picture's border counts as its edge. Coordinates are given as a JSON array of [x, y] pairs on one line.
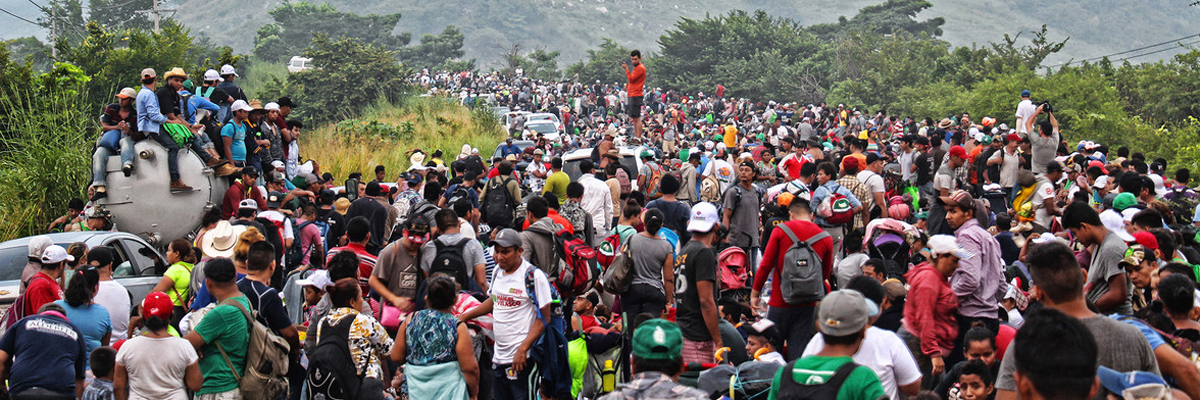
[[12, 262], [543, 128]]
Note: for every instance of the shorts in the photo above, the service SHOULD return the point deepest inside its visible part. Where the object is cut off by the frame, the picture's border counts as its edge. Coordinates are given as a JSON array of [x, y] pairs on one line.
[[235, 394], [700, 352], [635, 107]]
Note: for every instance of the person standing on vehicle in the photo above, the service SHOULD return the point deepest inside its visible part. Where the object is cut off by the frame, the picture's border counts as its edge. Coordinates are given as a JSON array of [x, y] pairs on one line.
[[517, 325], [696, 287], [741, 214], [637, 80]]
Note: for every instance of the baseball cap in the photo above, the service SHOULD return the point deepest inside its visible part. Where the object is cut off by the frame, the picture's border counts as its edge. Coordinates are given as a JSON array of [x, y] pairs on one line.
[[271, 106], [1134, 384], [220, 269], [647, 154], [1115, 224], [1146, 239], [658, 339], [127, 93], [873, 157], [212, 75], [1012, 137], [418, 230], [1124, 200], [1098, 163], [158, 304], [958, 151], [274, 199], [277, 164], [1134, 255], [56, 254], [310, 179], [228, 70], [704, 217], [843, 313], [101, 255], [850, 163], [38, 245], [250, 170], [507, 237], [947, 244], [1025, 93], [959, 198], [248, 203], [239, 105], [275, 177], [318, 279], [149, 73]]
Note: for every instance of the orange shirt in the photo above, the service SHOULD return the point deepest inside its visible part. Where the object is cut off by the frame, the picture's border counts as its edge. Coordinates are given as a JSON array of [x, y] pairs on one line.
[[637, 79]]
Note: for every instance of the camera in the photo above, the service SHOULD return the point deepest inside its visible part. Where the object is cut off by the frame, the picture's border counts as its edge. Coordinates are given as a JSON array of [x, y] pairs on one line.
[[1045, 104]]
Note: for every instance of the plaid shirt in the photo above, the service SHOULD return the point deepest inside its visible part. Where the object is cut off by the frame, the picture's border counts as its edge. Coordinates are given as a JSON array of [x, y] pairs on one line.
[[850, 181], [653, 385]]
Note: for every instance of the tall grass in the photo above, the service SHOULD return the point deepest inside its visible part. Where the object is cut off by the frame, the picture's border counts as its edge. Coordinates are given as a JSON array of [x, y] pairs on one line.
[[386, 131], [256, 76], [45, 159]]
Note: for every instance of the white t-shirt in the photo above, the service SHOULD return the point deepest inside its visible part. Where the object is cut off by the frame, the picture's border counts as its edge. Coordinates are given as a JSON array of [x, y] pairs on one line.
[[883, 352], [1045, 190], [157, 367], [536, 184], [906, 162], [872, 181], [115, 299], [1009, 167], [513, 310], [1025, 109]]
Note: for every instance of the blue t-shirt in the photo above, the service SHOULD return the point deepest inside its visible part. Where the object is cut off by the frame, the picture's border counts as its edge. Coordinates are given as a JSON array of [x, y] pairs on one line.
[[1151, 335], [92, 320], [204, 298], [48, 353], [237, 132]]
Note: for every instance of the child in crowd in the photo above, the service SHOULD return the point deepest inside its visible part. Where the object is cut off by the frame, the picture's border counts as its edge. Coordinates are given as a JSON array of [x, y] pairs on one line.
[[314, 289], [103, 361], [762, 342], [976, 381]]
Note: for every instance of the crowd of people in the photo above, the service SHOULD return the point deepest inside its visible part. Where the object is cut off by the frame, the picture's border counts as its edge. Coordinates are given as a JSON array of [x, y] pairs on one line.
[[745, 249]]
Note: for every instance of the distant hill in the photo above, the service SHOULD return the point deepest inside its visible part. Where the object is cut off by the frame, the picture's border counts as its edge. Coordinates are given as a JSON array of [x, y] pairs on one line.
[[1096, 27]]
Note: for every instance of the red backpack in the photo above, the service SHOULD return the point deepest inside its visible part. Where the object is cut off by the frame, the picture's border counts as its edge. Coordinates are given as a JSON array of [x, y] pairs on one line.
[[577, 268], [607, 250], [732, 264]]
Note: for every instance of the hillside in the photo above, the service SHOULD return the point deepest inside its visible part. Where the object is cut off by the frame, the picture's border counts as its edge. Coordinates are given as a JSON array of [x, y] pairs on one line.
[[1096, 27]]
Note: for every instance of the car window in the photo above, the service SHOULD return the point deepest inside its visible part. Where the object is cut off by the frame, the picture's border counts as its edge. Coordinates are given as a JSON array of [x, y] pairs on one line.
[[12, 262], [121, 265], [144, 258]]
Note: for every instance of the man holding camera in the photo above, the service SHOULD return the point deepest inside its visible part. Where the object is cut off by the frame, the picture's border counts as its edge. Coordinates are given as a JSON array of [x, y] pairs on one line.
[[1045, 142]]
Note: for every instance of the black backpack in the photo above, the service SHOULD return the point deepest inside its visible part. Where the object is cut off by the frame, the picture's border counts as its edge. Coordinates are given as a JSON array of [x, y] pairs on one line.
[[498, 204], [331, 370], [449, 260], [460, 192], [789, 389], [297, 254]]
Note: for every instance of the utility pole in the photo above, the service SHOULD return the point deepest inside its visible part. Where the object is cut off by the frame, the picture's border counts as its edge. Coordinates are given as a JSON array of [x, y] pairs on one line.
[[53, 31], [157, 13]]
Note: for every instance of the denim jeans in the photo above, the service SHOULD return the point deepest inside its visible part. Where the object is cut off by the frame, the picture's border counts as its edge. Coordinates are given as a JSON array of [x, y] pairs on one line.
[[795, 327], [168, 143], [111, 142]]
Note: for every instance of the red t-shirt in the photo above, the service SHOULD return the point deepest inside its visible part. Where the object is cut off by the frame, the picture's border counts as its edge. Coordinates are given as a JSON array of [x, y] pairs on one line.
[[588, 321], [42, 289], [558, 219], [777, 245], [366, 263]]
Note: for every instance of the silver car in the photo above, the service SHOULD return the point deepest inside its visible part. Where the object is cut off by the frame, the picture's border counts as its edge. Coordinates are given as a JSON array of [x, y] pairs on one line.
[[137, 265]]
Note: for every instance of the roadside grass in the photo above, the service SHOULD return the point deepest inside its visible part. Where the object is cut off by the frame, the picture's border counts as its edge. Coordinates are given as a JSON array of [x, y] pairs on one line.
[[386, 133]]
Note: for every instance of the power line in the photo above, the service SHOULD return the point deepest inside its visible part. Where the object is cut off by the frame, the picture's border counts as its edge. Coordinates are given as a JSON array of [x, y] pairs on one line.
[[1128, 51], [19, 17], [1158, 51]]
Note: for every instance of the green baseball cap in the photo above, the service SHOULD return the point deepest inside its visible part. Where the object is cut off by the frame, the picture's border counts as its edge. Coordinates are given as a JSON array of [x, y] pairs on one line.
[[1123, 201], [658, 339]]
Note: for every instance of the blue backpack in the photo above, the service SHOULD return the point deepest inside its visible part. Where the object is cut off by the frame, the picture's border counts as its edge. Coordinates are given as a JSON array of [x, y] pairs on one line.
[[550, 351]]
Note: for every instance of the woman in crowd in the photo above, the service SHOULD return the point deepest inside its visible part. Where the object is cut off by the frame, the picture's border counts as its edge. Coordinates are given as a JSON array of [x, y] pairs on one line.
[[90, 318], [437, 348], [929, 327], [652, 288], [156, 365], [175, 282]]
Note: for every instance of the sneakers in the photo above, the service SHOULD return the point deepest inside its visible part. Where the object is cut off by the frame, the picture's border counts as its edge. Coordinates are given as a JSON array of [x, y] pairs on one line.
[[177, 186], [127, 169], [226, 169], [215, 162]]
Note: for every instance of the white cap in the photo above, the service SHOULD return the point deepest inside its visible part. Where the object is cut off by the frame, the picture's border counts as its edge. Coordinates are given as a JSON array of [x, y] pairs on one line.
[[1113, 220], [277, 164], [704, 217], [319, 279], [239, 105], [228, 70], [947, 244], [248, 203], [212, 75], [271, 106], [56, 254]]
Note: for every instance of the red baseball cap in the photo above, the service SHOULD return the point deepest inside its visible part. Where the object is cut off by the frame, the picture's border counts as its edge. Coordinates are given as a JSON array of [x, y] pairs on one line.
[[1097, 163], [1146, 239], [958, 151], [1012, 137], [158, 304]]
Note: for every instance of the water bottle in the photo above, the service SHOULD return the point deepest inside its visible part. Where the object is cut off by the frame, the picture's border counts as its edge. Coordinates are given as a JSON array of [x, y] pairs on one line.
[[608, 377]]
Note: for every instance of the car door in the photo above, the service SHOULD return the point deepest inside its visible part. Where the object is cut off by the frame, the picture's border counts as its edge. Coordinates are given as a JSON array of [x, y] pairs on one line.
[[138, 270]]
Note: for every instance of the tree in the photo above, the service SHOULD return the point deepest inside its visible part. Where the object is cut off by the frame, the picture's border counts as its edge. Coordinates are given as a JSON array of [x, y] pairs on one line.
[[113, 58], [436, 52], [31, 49], [296, 23], [542, 65], [603, 64], [348, 75], [117, 14], [893, 16]]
